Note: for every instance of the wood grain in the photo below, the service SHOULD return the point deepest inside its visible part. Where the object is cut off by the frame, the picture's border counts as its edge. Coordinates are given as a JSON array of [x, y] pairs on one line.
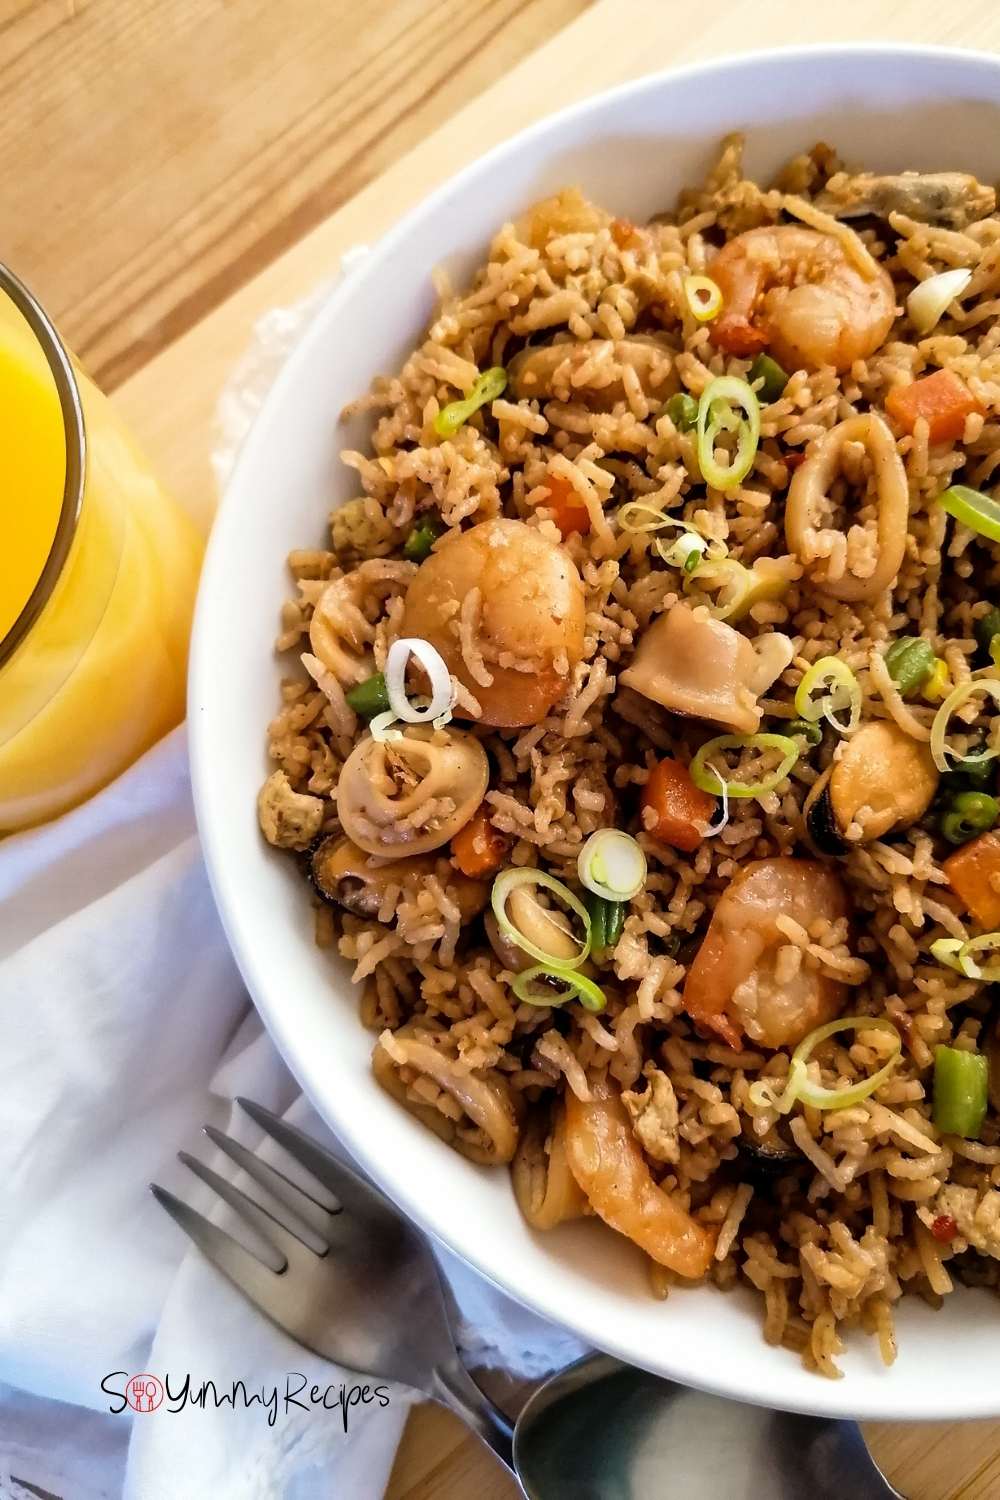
[[171, 401], [192, 141]]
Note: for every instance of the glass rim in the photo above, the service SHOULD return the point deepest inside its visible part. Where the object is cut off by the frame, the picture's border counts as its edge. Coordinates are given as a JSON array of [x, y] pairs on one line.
[[71, 406]]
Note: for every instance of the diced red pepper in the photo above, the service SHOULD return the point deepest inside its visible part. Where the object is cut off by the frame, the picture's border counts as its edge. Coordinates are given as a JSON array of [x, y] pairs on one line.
[[944, 1229]]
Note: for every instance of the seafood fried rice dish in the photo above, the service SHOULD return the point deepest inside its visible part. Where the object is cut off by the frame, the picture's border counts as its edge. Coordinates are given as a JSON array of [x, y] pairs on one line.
[[639, 733]]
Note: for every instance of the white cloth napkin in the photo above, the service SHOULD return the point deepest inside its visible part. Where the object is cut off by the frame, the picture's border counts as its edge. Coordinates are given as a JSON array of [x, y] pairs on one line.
[[125, 1028]]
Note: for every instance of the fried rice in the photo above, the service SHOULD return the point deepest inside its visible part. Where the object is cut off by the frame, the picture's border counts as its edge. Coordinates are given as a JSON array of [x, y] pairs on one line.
[[830, 1214]]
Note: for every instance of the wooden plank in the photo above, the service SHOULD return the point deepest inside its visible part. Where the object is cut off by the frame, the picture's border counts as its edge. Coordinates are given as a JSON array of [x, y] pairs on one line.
[[156, 154], [171, 402]]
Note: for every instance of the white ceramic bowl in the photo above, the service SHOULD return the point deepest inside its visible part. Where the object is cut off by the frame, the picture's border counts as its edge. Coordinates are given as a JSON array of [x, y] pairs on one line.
[[888, 107]]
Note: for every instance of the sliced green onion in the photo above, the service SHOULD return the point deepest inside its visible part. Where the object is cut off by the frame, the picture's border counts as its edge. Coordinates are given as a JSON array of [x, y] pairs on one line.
[[948, 951], [708, 780], [961, 1081], [545, 984], [961, 955], [490, 384], [767, 378], [942, 752], [810, 732], [506, 882], [764, 1094], [703, 297], [981, 513], [421, 539], [370, 697], [607, 922], [909, 662], [612, 865], [969, 814], [838, 690], [383, 728], [629, 520], [739, 587], [929, 300], [686, 553], [719, 408], [682, 409]]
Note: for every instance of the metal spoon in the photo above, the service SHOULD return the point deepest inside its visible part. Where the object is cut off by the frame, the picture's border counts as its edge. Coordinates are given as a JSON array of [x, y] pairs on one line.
[[356, 1282], [601, 1430]]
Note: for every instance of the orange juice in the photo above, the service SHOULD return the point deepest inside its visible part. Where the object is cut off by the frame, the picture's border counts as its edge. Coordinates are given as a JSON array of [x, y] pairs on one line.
[[98, 569]]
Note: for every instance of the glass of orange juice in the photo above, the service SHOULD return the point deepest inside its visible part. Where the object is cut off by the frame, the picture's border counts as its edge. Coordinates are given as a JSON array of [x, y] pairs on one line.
[[98, 568]]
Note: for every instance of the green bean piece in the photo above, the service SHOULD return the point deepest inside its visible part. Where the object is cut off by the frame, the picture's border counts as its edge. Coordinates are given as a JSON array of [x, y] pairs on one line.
[[970, 813], [960, 1092], [910, 661], [490, 384], [597, 907], [614, 923], [682, 409], [421, 539], [370, 697], [607, 920], [985, 629], [811, 733], [771, 377]]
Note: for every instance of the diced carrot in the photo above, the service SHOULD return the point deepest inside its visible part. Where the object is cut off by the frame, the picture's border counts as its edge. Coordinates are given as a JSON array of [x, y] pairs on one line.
[[735, 334], [568, 510], [478, 849], [677, 804], [974, 875], [941, 399]]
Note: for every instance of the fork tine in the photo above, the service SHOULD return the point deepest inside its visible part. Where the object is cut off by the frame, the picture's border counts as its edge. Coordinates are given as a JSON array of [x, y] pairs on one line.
[[296, 1200], [351, 1191], [284, 1241], [226, 1254]]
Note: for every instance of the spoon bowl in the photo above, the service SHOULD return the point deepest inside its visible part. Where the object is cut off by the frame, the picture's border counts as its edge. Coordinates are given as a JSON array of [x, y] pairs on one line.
[[603, 1430]]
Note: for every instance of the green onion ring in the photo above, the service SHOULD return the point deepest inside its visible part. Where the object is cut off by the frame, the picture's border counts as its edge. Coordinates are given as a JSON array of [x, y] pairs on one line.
[[717, 412], [660, 522], [703, 297], [764, 1094], [612, 865], [940, 749], [505, 882], [981, 513], [846, 695], [574, 987], [708, 780], [958, 955]]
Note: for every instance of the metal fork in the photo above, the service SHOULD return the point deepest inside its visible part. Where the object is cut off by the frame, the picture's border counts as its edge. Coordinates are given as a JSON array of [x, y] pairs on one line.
[[349, 1278]]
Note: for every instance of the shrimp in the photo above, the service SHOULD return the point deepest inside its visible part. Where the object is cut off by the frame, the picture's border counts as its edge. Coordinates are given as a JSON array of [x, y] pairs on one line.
[[735, 986], [607, 1162], [796, 292]]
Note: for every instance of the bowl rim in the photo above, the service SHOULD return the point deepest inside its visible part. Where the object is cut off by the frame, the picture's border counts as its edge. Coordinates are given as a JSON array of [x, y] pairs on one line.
[[823, 1397]]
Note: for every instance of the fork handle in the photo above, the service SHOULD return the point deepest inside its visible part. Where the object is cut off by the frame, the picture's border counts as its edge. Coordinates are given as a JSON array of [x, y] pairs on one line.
[[454, 1387]]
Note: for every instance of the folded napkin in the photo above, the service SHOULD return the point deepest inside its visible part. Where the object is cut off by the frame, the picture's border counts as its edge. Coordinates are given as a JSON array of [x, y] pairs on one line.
[[126, 1028]]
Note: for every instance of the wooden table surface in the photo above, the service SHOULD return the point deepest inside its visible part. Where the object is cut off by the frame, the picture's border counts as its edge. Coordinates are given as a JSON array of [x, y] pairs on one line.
[[173, 168]]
